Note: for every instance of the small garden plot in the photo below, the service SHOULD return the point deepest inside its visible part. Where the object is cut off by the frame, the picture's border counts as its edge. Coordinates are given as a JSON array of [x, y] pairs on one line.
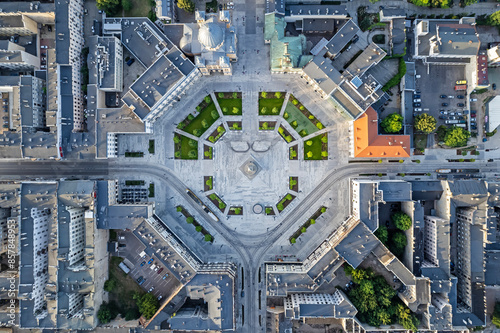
[[190, 220], [208, 183], [217, 134], [134, 154], [293, 153], [134, 182], [267, 125], [309, 222], [217, 201], [269, 211], [285, 134], [185, 148], [207, 116], [287, 199], [151, 148], [230, 103], [293, 183], [208, 152], [316, 148], [300, 119], [151, 190], [234, 125], [270, 103], [235, 210]]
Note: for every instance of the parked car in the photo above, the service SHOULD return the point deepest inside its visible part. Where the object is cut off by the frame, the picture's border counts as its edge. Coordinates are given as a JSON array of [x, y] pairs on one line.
[[459, 82], [443, 96], [151, 289], [165, 276], [355, 39], [143, 263], [160, 297], [459, 113], [444, 104], [460, 96], [452, 113], [130, 61], [44, 47], [49, 28], [441, 117], [473, 115], [473, 99], [150, 261], [417, 105], [418, 109], [160, 270], [443, 112], [494, 86], [416, 96], [461, 105], [417, 100], [474, 127], [473, 111]]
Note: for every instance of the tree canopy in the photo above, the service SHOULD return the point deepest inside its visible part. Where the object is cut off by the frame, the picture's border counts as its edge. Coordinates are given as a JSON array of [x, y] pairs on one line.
[[401, 220], [494, 19], [106, 313], [382, 234], [187, 5], [111, 7], [495, 320], [392, 123], [376, 300], [425, 123], [456, 137], [147, 304]]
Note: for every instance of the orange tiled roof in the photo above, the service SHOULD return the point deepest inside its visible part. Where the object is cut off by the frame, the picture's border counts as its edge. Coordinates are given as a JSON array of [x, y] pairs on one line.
[[368, 143]]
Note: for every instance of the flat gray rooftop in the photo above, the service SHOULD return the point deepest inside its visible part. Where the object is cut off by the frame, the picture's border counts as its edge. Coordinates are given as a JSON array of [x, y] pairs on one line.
[[342, 37], [395, 191], [156, 81], [356, 246]]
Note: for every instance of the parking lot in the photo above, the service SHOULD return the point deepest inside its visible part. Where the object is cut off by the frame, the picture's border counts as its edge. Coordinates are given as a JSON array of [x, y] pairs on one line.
[[159, 281], [436, 80]]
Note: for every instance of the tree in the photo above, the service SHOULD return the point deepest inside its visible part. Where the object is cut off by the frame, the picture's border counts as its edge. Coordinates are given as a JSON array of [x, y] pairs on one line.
[[211, 139], [132, 314], [312, 221], [177, 139], [263, 94], [382, 234], [495, 320], [105, 313], [222, 205], [221, 95], [214, 114], [278, 94], [324, 139], [285, 115], [392, 123], [224, 110], [275, 110], [319, 125], [192, 154], [209, 183], [456, 137], [189, 219], [324, 153], [109, 285], [237, 210], [235, 110], [235, 94], [303, 133], [398, 243], [280, 206], [204, 123], [293, 240], [179, 209], [177, 154], [323, 209], [265, 125], [288, 197], [197, 132], [126, 5], [295, 102], [309, 142], [111, 7], [199, 228], [263, 110], [213, 196], [309, 154], [401, 220], [208, 238], [192, 143], [293, 182], [288, 138], [295, 124], [220, 129], [147, 304], [425, 123], [494, 18], [190, 116]]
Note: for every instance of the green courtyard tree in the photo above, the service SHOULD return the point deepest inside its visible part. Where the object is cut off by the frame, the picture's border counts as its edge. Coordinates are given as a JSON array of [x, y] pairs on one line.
[[275, 110], [207, 98], [208, 238], [189, 219], [111, 7], [221, 95], [177, 139], [392, 123], [401, 220], [214, 114], [425, 123], [192, 154], [278, 94], [494, 18], [382, 234], [109, 285], [126, 5], [263, 94], [456, 137], [106, 313], [263, 110], [398, 243], [235, 110], [147, 304], [199, 228]]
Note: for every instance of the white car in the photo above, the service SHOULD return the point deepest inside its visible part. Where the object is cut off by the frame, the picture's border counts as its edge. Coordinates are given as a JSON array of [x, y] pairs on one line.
[[44, 47], [473, 99], [418, 109], [417, 100]]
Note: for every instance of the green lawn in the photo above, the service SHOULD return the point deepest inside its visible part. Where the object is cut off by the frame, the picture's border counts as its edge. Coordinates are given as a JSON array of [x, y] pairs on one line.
[[230, 103], [303, 123], [420, 141], [270, 103], [315, 148], [125, 288], [196, 124], [140, 8], [186, 148]]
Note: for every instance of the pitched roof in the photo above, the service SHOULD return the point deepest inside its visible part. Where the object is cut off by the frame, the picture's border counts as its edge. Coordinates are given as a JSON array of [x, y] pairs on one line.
[[368, 143]]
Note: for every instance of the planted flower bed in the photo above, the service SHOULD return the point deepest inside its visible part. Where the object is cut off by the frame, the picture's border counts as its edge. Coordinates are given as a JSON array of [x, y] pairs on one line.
[[316, 148], [185, 148], [267, 125], [208, 152], [269, 211], [217, 134], [208, 183], [309, 222], [190, 220], [293, 154], [293, 183], [230, 103], [285, 134], [217, 202], [197, 125], [287, 199], [235, 210], [270, 103], [234, 125]]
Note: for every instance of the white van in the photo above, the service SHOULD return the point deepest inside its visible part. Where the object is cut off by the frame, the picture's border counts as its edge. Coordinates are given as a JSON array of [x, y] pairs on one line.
[[473, 99]]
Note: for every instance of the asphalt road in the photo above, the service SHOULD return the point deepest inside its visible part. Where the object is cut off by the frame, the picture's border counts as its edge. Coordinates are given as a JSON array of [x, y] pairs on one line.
[[22, 169]]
